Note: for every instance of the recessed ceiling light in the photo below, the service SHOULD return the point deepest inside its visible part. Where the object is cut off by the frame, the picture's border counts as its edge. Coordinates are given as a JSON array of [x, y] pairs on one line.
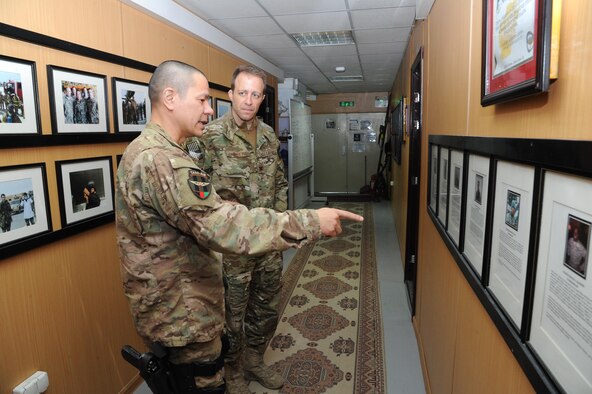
[[346, 78], [324, 38]]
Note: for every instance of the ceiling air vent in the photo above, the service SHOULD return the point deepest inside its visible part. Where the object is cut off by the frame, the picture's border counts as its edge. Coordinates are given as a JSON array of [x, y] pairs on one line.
[[324, 38]]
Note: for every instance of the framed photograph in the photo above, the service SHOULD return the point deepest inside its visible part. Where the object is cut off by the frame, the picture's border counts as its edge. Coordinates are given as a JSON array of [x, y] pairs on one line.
[[78, 101], [455, 199], [19, 99], [131, 105], [560, 329], [24, 203], [222, 106], [510, 236], [211, 102], [443, 186], [516, 49], [85, 187], [476, 211], [434, 178]]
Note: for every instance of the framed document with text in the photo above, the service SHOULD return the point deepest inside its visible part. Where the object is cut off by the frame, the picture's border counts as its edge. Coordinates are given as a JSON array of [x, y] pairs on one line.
[[443, 185], [433, 177], [455, 199], [510, 236], [476, 210], [516, 49], [561, 328]]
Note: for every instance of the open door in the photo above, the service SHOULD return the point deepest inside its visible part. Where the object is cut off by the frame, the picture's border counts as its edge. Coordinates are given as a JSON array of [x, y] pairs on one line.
[[412, 233]]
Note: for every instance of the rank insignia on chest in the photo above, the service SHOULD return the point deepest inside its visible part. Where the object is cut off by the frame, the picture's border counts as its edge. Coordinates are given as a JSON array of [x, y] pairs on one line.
[[199, 183]]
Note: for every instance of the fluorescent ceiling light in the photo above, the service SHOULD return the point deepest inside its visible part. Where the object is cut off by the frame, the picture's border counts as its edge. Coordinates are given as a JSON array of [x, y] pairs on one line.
[[346, 78], [323, 38]]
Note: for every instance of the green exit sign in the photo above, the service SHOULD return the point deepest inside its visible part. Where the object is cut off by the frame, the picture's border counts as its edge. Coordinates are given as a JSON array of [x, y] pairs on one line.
[[346, 103]]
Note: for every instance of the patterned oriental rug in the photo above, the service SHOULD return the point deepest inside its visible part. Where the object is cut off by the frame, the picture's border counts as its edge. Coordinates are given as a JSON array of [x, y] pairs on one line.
[[329, 339]]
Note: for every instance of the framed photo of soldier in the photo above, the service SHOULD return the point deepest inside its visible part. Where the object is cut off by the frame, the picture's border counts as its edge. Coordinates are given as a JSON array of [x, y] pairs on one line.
[[19, 99], [24, 203], [131, 105], [78, 101], [85, 187], [511, 236], [561, 327], [476, 210]]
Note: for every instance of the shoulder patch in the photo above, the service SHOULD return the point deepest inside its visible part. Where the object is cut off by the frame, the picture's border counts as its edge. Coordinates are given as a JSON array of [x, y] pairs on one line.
[[199, 183]]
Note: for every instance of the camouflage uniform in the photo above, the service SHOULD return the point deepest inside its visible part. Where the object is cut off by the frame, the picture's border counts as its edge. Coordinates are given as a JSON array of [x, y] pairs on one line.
[[68, 109], [169, 223], [253, 176]]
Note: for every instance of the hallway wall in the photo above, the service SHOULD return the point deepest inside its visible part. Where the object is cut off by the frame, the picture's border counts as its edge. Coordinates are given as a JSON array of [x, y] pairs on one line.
[[461, 349], [63, 309]]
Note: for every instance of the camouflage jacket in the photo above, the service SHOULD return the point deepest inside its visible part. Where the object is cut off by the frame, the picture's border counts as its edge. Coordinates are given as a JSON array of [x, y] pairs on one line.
[[252, 176], [170, 223]]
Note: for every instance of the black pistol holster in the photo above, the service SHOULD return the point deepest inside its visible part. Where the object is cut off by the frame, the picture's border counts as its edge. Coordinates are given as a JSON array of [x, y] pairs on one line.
[[163, 377]]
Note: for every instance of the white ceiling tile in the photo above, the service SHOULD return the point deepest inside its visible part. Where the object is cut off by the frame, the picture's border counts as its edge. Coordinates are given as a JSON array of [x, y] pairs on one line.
[[285, 61], [304, 23], [221, 9], [336, 61], [391, 59], [384, 17], [247, 26], [275, 7], [269, 41], [365, 4], [330, 51], [375, 36], [273, 53], [383, 48]]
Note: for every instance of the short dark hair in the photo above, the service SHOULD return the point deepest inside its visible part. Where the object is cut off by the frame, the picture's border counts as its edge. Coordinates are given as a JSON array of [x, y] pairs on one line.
[[249, 69], [171, 73]]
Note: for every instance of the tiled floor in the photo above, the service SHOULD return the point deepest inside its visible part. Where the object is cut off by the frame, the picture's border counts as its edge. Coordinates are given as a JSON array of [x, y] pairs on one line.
[[403, 369]]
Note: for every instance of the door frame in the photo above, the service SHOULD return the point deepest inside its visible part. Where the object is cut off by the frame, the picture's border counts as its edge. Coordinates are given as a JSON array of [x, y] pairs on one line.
[[414, 181]]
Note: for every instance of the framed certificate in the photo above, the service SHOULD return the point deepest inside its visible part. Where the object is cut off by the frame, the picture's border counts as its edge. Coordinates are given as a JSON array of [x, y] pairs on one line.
[[516, 49], [476, 210], [511, 236], [434, 177], [455, 199], [561, 328], [443, 185]]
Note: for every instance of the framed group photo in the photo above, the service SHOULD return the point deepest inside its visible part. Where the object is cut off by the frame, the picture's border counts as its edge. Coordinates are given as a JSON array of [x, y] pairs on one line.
[[19, 100], [131, 105], [222, 107], [24, 203], [78, 101], [85, 187], [516, 60]]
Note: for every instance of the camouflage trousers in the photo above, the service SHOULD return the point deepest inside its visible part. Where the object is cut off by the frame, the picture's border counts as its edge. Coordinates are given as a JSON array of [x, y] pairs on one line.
[[200, 352], [252, 298]]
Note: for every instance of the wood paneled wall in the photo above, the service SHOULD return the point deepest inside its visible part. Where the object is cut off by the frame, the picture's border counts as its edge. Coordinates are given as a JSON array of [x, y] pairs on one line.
[[460, 347], [62, 305]]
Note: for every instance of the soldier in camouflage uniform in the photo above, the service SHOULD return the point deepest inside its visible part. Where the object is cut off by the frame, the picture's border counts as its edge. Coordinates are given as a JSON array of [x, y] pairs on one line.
[[241, 152], [92, 108], [170, 222]]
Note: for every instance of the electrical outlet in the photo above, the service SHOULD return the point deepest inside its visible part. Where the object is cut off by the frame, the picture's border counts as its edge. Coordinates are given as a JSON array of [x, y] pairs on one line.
[[34, 384]]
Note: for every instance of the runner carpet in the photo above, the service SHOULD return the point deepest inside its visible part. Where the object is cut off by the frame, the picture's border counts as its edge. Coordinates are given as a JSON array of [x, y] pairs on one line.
[[329, 338]]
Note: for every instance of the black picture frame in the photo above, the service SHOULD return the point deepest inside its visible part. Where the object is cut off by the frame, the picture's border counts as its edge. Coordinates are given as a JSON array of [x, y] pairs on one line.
[[516, 64], [29, 214], [92, 116], [19, 97], [397, 130], [131, 105], [222, 107], [77, 177]]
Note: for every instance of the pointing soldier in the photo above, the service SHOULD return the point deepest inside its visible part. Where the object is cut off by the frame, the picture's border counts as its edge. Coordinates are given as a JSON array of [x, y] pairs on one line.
[[170, 222]]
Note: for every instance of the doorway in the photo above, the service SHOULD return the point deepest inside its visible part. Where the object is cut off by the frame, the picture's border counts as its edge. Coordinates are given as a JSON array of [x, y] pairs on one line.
[[412, 231]]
